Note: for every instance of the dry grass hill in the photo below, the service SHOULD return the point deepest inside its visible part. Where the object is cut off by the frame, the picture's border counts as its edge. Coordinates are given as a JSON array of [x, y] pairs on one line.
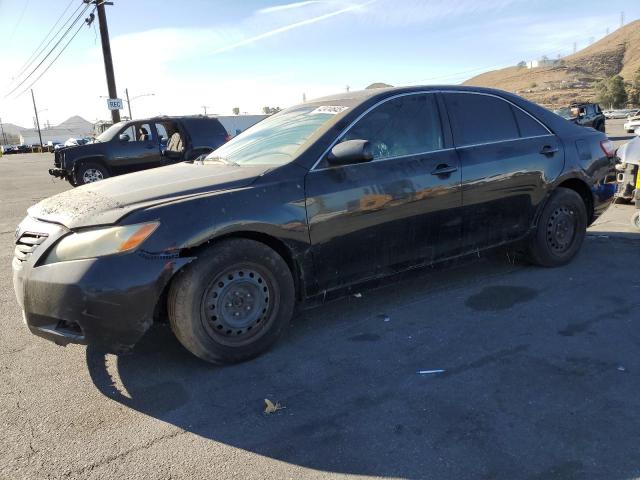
[[574, 78]]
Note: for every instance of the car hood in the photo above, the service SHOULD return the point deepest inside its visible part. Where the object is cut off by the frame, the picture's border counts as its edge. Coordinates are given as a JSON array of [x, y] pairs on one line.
[[81, 149], [107, 201], [630, 152]]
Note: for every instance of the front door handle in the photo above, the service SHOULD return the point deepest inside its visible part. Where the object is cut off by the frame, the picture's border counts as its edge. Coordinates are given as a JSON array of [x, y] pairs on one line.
[[548, 150], [444, 169]]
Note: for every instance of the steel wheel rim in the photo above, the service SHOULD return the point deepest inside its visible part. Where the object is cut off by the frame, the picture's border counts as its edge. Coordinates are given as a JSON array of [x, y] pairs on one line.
[[92, 175], [237, 305], [562, 226]]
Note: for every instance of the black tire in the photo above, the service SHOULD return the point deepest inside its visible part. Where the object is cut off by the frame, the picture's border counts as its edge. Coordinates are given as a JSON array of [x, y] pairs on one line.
[[635, 220], [560, 231], [233, 302], [601, 127], [88, 171]]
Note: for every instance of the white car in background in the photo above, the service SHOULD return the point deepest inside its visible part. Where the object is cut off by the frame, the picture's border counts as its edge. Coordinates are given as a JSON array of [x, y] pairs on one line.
[[632, 124]]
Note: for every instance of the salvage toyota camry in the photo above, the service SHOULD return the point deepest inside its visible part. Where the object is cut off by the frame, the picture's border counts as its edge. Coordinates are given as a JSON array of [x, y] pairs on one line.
[[304, 205]]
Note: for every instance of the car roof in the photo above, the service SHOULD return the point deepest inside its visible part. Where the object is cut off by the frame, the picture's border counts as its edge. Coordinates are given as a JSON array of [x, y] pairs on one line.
[[552, 121], [362, 95]]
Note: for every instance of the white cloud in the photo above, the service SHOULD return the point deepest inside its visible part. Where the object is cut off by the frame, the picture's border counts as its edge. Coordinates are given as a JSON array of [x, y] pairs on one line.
[[287, 6], [400, 13], [290, 26]]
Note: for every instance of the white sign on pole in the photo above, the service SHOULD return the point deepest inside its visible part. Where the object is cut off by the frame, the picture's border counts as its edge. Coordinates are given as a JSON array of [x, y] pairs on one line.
[[114, 103]]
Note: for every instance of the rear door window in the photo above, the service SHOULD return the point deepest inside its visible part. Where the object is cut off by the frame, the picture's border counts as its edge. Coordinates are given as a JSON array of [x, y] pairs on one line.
[[406, 125], [529, 127], [477, 119]]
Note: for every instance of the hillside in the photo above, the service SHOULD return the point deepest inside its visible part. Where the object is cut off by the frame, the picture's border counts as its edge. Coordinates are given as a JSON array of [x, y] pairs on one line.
[[575, 78]]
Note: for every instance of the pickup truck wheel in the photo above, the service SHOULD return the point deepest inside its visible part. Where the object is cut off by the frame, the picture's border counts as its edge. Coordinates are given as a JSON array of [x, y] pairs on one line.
[[561, 229], [233, 302], [90, 172]]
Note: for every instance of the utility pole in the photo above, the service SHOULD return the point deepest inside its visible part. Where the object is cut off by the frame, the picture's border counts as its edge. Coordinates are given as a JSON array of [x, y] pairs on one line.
[[575, 47], [126, 92], [106, 53], [36, 112], [205, 109], [621, 19]]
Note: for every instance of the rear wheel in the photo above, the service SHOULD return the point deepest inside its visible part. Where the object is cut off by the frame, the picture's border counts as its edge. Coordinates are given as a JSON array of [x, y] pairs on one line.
[[90, 172], [560, 231], [233, 302], [635, 220]]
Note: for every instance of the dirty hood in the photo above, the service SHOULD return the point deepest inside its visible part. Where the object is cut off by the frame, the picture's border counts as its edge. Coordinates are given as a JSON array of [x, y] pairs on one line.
[[107, 201]]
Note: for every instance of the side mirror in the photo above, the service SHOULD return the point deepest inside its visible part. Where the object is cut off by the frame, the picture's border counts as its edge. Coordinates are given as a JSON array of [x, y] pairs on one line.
[[350, 151], [124, 137]]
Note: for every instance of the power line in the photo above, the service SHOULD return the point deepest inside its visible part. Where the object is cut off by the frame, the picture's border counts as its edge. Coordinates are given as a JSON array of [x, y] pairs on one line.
[[38, 49], [53, 61], [15, 27], [49, 53]]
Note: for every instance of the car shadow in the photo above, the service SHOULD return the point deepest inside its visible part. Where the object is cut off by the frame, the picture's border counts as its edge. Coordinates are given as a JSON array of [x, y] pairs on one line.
[[539, 377]]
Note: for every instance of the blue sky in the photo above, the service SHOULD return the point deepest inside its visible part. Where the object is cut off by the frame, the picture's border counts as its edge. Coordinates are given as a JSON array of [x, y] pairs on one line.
[[253, 53]]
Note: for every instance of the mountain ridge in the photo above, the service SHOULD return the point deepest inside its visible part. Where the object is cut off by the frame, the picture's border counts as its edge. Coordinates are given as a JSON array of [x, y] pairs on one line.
[[574, 77]]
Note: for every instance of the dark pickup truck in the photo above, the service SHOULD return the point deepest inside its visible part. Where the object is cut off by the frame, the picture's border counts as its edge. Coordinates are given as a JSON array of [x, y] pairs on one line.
[[585, 115], [138, 145]]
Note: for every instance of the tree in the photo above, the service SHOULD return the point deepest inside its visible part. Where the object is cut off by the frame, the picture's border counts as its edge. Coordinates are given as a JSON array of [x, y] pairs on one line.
[[522, 64], [611, 92], [634, 89], [236, 110]]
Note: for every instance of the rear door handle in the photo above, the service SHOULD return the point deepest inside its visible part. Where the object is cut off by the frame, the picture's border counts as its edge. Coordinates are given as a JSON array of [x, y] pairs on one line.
[[444, 169], [548, 150]]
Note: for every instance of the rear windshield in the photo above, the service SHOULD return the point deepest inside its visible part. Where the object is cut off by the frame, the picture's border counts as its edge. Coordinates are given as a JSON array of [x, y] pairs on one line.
[[276, 140]]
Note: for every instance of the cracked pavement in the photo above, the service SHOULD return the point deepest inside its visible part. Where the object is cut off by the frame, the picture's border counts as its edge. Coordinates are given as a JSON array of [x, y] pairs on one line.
[[541, 380]]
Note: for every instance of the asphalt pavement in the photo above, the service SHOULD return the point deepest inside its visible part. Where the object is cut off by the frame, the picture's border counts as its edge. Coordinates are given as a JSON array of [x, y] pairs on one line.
[[541, 378]]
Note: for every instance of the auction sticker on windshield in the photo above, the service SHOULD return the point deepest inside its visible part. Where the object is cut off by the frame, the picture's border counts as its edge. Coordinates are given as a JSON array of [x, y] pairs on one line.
[[330, 109]]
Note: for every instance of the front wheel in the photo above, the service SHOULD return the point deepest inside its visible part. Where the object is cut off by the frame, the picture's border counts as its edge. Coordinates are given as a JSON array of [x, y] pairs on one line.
[[560, 231], [233, 302], [635, 220], [90, 172]]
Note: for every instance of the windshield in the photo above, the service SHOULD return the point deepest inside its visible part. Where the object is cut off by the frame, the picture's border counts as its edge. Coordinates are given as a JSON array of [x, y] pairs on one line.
[[565, 113], [110, 132], [277, 139]]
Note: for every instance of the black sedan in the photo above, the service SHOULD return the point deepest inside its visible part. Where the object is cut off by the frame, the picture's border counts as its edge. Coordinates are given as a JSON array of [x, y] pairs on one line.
[[303, 206]]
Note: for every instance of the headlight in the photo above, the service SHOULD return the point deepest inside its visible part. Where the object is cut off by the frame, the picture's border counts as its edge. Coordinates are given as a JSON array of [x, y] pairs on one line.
[[100, 242]]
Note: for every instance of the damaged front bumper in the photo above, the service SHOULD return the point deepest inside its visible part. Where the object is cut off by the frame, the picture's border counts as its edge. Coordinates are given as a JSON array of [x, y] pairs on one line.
[[59, 173], [109, 301]]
